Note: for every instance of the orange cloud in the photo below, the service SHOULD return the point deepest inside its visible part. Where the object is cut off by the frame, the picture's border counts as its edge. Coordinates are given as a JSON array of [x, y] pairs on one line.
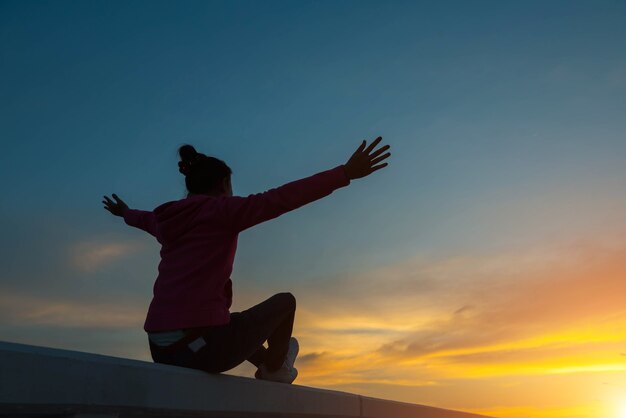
[[88, 256]]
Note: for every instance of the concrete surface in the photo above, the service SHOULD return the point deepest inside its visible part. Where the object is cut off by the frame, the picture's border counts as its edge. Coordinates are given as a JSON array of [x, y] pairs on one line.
[[38, 381]]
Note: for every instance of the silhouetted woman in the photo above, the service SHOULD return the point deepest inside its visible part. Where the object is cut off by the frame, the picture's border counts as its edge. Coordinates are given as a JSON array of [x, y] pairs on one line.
[[189, 323]]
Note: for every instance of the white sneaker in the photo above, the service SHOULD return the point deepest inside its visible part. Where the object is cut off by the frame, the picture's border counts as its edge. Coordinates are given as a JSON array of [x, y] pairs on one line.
[[283, 375], [292, 353], [287, 373]]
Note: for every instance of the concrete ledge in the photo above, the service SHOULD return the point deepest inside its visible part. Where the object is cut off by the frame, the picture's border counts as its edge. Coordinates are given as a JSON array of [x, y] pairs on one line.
[[36, 381]]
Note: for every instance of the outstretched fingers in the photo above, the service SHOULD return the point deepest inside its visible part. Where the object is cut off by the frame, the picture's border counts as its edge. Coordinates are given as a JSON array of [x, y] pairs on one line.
[[375, 157], [117, 199], [373, 144], [379, 159], [379, 151], [111, 206], [366, 159]]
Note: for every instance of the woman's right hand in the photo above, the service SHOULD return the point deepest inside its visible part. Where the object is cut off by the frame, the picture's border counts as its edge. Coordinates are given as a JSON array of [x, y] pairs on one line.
[[117, 208], [364, 162]]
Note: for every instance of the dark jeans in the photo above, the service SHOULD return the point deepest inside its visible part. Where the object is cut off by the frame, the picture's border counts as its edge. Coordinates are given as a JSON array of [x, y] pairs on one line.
[[242, 339]]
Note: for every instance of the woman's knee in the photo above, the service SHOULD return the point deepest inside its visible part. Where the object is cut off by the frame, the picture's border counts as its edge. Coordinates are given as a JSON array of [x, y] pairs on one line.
[[288, 300]]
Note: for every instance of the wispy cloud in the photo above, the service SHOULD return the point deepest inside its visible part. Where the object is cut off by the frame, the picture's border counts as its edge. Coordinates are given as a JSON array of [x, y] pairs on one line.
[[89, 256], [20, 309]]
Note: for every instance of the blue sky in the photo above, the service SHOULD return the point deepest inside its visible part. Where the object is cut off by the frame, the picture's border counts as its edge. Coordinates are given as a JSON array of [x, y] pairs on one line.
[[506, 121]]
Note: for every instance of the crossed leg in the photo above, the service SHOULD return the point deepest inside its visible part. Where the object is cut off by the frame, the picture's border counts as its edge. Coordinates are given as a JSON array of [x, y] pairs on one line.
[[243, 338]]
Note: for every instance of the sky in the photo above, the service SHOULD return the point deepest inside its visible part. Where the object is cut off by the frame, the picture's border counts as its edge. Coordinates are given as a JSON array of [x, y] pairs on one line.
[[483, 270]]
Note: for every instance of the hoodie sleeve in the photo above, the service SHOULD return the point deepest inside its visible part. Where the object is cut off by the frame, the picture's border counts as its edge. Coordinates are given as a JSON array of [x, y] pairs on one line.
[[245, 212], [141, 219]]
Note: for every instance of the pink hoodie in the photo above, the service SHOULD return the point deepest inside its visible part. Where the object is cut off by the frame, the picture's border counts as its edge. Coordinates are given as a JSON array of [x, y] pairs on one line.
[[198, 237]]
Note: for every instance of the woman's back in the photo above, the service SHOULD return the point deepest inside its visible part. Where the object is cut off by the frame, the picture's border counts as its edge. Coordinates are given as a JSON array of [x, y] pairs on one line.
[[198, 236]]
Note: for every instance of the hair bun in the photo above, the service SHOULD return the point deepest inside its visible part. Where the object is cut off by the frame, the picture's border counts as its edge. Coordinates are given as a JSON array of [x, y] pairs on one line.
[[203, 174], [187, 153], [188, 156]]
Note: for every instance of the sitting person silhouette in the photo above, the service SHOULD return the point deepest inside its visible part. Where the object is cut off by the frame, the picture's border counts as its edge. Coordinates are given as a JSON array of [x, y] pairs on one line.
[[189, 323]]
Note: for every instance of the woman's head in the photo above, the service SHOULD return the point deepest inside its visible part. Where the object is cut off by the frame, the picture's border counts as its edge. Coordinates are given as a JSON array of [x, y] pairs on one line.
[[204, 175]]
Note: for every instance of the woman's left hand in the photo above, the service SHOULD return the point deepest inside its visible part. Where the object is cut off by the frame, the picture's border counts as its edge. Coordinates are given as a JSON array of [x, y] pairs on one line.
[[117, 208]]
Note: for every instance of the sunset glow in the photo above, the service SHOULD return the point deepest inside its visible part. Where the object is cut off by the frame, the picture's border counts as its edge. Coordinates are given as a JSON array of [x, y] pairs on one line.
[[556, 336]]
